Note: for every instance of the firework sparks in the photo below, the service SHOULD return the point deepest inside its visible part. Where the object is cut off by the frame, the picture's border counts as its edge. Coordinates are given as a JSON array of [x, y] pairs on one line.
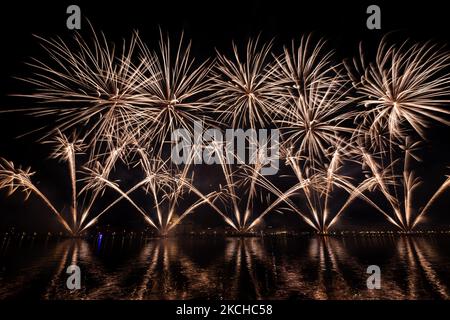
[[302, 66], [90, 84], [314, 122], [316, 186], [65, 149], [444, 186], [246, 185], [176, 98], [131, 98], [402, 90], [164, 187], [405, 86], [244, 91], [399, 189], [14, 179]]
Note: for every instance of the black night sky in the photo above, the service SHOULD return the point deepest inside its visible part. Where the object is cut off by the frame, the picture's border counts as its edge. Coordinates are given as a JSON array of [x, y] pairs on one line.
[[210, 25]]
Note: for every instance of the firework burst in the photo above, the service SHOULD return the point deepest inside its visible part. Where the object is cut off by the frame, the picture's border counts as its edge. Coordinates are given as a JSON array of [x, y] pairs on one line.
[[316, 121], [405, 87], [302, 66], [15, 178], [164, 187], [177, 97], [90, 84], [398, 189], [319, 187], [245, 185], [244, 91], [65, 149], [403, 90], [126, 101]]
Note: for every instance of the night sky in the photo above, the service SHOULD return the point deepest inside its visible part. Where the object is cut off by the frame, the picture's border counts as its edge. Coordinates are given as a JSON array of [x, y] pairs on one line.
[[210, 25]]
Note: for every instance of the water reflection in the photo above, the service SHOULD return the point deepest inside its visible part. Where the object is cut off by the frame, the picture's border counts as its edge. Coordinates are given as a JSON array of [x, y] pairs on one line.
[[232, 268]]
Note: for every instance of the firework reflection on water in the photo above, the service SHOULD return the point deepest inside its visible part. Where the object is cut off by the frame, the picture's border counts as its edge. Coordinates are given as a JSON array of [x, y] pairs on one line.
[[230, 268]]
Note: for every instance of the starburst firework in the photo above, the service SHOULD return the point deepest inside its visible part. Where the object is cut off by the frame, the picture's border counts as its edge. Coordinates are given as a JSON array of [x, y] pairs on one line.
[[405, 87], [90, 84], [245, 94], [177, 97], [126, 101]]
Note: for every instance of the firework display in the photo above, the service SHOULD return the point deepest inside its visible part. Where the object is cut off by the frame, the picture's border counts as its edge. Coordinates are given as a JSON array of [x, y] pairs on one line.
[[118, 104]]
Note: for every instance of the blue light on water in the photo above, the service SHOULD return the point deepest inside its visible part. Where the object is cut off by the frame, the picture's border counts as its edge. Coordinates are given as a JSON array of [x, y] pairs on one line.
[[99, 241]]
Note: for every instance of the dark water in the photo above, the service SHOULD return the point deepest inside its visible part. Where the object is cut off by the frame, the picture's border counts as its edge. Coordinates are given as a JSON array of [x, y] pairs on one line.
[[227, 268]]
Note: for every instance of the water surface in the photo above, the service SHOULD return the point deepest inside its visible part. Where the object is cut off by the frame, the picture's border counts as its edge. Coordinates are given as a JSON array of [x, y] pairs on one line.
[[227, 268]]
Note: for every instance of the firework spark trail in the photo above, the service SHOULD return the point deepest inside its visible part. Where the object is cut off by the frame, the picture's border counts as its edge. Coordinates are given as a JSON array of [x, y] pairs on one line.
[[230, 188], [112, 157], [241, 179], [65, 150], [282, 197], [183, 184], [119, 152], [441, 189], [314, 120], [400, 201], [311, 98], [402, 90], [164, 186], [17, 178], [156, 179], [383, 184], [102, 182], [380, 178], [369, 183], [316, 107], [318, 187], [246, 94], [247, 181]]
